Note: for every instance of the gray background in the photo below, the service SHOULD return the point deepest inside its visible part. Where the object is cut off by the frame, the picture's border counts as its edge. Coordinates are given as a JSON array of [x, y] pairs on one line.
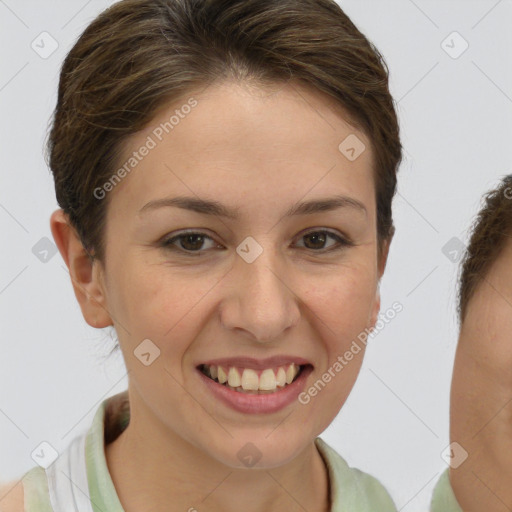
[[456, 120]]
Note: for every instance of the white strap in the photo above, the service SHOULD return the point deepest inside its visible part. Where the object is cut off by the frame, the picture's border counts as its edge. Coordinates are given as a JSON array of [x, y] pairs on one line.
[[67, 479]]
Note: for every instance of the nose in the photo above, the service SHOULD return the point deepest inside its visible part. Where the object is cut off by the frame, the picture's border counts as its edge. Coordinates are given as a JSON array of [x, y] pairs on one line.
[[261, 302]]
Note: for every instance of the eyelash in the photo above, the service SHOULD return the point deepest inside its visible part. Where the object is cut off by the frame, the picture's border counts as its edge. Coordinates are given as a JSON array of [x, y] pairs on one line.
[[168, 243]]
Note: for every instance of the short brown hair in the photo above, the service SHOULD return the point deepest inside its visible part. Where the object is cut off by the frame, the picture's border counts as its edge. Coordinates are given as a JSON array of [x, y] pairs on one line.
[[489, 234], [139, 55]]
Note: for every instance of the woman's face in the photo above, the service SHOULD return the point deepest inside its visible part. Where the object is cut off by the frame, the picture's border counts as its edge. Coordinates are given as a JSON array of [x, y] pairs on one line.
[[257, 284]]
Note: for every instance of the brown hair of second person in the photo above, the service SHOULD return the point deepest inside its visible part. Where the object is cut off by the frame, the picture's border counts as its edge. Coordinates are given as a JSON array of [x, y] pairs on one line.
[[489, 234]]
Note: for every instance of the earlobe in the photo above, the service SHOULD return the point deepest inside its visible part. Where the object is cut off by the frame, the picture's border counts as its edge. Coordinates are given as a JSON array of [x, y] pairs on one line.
[[85, 274]]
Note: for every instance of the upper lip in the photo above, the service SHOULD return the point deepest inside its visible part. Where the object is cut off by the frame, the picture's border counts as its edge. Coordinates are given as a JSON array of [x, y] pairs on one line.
[[256, 364]]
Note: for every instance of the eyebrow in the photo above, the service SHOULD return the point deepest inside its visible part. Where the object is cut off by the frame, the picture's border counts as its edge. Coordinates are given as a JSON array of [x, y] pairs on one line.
[[207, 207]]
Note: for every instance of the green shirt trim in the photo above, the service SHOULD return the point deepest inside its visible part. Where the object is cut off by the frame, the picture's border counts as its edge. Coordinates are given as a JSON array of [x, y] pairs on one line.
[[350, 489], [443, 498]]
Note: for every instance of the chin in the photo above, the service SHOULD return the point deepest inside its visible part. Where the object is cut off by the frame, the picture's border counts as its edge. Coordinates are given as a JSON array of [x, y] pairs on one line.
[[266, 450]]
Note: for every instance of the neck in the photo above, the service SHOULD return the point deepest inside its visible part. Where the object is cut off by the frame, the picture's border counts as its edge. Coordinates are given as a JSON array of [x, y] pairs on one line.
[[164, 472]]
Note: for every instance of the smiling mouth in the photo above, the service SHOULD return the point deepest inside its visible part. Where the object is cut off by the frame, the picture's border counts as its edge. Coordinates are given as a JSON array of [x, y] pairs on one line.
[[246, 380]]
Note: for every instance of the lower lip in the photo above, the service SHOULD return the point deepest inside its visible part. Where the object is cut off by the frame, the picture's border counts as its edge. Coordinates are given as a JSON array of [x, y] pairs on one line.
[[258, 404]]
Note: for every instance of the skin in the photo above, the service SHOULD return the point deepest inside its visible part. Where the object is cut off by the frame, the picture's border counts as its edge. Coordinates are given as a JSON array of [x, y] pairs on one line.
[[261, 150], [481, 394]]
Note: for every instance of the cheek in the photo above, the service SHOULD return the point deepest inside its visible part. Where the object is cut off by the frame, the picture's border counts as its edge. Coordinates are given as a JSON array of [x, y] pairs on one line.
[[344, 300], [342, 312], [154, 301], [342, 305]]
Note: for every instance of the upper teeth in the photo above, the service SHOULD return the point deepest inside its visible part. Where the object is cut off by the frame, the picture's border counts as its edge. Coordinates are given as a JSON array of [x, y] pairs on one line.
[[269, 378]]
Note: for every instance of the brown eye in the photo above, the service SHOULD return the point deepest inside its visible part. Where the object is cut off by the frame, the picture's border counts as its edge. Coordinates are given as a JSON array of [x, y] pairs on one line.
[[192, 242], [318, 239]]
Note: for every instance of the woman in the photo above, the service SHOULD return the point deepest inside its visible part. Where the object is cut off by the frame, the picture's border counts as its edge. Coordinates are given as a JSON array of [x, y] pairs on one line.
[[225, 171], [480, 427]]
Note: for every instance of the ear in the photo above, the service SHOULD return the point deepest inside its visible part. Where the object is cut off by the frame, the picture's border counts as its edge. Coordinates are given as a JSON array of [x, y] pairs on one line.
[[86, 276], [381, 266]]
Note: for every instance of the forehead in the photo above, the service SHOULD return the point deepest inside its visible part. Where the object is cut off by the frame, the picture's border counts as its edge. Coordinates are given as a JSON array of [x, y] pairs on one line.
[[239, 138]]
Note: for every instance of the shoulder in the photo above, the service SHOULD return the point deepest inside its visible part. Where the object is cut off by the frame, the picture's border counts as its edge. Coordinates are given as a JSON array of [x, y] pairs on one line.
[[11, 496], [351, 486], [443, 498], [29, 493]]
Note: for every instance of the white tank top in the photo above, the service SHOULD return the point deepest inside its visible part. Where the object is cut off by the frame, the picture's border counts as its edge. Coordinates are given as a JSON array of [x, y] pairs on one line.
[[67, 479]]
